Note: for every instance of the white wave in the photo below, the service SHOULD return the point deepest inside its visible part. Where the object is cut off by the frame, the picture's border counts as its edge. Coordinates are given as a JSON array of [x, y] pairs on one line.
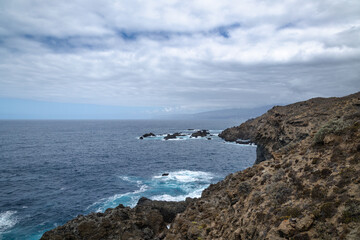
[[125, 178], [241, 145], [167, 197], [131, 179], [186, 176], [111, 202], [176, 186], [7, 220], [176, 139], [215, 131]]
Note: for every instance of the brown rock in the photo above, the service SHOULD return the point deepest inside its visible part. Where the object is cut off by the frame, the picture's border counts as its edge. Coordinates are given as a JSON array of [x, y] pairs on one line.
[[286, 228], [303, 224]]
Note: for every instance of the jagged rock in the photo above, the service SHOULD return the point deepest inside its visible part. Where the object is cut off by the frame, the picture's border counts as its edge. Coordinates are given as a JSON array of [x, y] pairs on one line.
[[303, 224], [147, 220], [201, 133], [142, 222], [173, 136], [286, 228], [148, 135], [167, 209]]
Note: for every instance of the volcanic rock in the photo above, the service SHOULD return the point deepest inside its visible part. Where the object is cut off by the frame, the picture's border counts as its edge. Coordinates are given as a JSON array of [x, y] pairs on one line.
[[305, 184], [147, 220], [148, 135], [173, 136], [201, 133]]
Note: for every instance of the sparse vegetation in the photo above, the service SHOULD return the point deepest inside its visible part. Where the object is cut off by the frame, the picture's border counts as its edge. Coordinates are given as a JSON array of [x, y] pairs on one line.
[[318, 192], [327, 210], [245, 188], [280, 192], [331, 127], [351, 212], [291, 212]]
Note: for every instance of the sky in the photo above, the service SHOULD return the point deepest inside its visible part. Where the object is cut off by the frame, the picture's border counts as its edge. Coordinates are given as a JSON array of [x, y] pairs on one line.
[[135, 59]]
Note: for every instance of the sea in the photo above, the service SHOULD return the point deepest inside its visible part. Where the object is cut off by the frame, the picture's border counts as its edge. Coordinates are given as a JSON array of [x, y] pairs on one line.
[[53, 170]]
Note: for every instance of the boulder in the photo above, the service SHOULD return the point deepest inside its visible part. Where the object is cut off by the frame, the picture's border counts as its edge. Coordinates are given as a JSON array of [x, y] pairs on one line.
[[167, 209]]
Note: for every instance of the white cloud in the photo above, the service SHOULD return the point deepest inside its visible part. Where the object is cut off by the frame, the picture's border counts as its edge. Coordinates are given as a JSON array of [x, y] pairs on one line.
[[175, 54]]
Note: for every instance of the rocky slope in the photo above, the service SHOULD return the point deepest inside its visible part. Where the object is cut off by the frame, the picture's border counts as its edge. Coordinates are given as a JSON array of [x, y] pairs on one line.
[[305, 185], [148, 220]]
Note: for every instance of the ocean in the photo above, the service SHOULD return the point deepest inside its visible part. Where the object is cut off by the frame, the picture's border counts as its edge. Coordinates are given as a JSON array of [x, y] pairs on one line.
[[52, 171]]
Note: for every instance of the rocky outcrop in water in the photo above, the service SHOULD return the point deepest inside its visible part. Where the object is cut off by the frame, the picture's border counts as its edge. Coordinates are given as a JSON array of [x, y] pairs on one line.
[[174, 136], [200, 133], [147, 135]]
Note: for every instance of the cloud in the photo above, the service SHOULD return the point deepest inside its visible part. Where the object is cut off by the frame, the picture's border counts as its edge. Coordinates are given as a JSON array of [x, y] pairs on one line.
[[180, 55]]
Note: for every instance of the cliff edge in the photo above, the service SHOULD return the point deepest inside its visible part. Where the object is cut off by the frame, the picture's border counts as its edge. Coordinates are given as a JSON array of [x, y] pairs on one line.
[[305, 184]]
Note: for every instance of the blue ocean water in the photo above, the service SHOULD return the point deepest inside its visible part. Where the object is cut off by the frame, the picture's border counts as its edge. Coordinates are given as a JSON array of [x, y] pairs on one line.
[[52, 171]]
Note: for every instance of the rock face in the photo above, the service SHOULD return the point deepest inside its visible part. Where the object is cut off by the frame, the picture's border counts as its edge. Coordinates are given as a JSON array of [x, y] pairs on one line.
[[147, 220], [306, 184], [167, 209], [288, 125]]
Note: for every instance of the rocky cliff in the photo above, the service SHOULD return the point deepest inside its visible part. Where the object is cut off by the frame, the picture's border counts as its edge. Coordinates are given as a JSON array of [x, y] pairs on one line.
[[148, 220], [305, 185]]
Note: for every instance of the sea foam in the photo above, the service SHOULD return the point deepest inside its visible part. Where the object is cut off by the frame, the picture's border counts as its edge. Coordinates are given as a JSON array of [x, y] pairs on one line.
[[176, 186], [7, 220]]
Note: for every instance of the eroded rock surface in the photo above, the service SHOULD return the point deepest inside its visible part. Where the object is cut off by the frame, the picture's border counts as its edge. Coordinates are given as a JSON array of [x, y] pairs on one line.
[[306, 186], [148, 220]]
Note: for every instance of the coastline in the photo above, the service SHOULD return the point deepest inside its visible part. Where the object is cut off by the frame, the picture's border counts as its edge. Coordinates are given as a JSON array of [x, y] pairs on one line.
[[304, 185]]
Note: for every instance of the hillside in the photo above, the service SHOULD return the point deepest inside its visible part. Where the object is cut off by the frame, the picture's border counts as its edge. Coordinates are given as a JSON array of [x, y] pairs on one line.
[[305, 185]]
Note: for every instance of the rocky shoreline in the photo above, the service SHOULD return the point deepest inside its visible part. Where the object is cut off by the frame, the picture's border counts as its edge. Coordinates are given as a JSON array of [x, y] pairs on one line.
[[305, 185]]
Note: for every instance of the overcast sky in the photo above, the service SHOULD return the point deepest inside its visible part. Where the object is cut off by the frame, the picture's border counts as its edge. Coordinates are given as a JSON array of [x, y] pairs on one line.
[[177, 56]]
